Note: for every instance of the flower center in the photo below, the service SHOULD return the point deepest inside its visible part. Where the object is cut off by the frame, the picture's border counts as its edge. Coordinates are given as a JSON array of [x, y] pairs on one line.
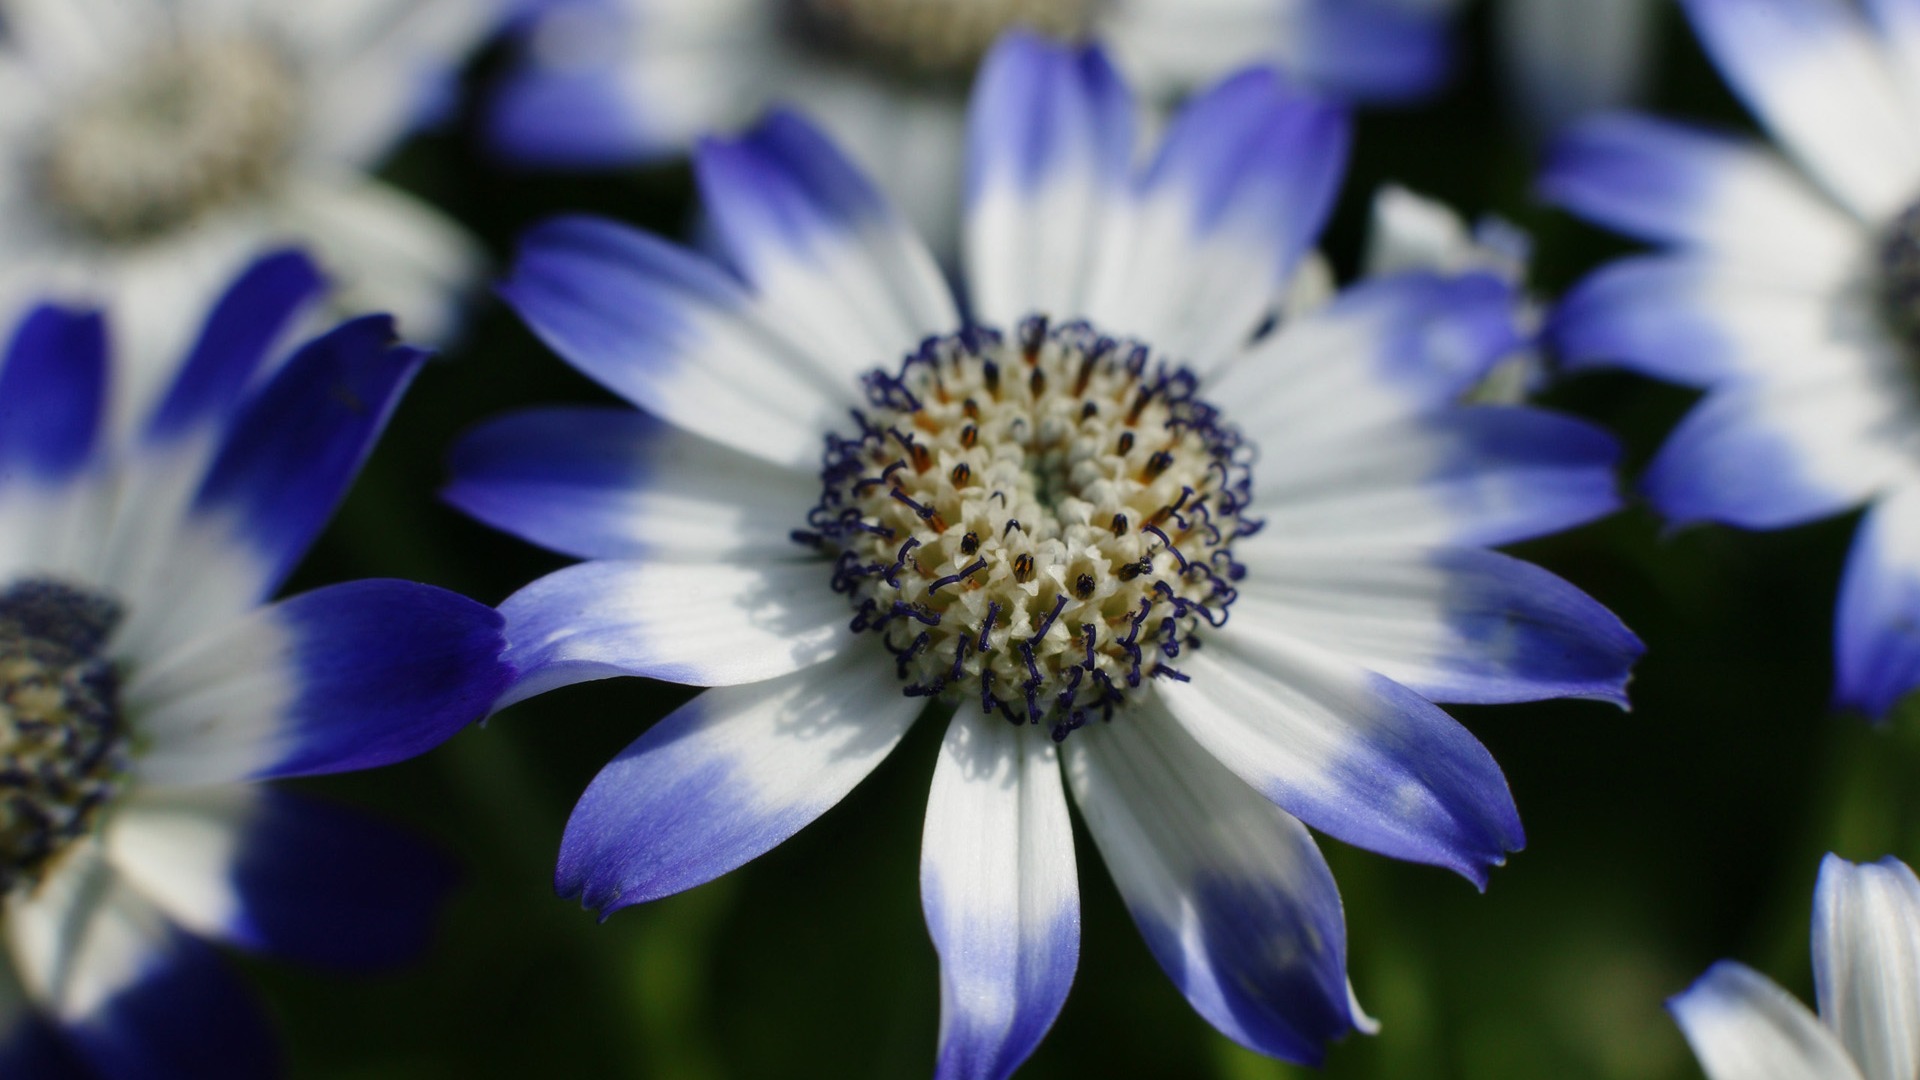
[[1038, 523], [63, 748], [192, 127], [929, 39]]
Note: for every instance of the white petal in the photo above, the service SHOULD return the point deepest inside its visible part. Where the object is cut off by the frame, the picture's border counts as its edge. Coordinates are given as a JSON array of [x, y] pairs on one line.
[[1743, 1027], [1866, 955], [997, 882]]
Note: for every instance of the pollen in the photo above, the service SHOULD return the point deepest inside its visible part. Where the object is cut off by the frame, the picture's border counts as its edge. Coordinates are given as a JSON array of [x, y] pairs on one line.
[[189, 128], [63, 748], [928, 39], [1010, 571]]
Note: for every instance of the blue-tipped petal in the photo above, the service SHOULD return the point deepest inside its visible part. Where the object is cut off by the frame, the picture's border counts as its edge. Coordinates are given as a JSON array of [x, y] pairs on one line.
[[1387, 350], [1813, 72], [132, 993], [1452, 624], [570, 118], [1768, 457], [998, 887], [674, 334], [1373, 50], [1350, 753], [296, 446], [1671, 183], [697, 623], [727, 777], [1049, 154], [279, 873], [1877, 627], [820, 246], [1472, 476], [349, 676], [1231, 895], [53, 395], [247, 320], [1239, 191], [614, 483]]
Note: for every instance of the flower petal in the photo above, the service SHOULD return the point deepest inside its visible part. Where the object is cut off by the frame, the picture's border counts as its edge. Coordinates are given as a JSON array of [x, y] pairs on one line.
[[345, 677], [1230, 893], [1668, 183], [1385, 350], [134, 995], [727, 777], [53, 396], [245, 322], [997, 882], [671, 333], [1743, 1027], [295, 448], [614, 483], [1866, 962], [1876, 643], [1476, 475], [823, 249], [1450, 624], [286, 875], [1351, 753], [698, 623], [1049, 147], [1698, 321], [1813, 73], [1769, 456], [1240, 190]]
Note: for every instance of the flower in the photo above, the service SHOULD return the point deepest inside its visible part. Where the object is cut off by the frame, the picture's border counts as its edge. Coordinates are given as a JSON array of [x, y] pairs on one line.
[[149, 149], [1866, 975], [615, 81], [145, 684], [1043, 521], [1789, 294]]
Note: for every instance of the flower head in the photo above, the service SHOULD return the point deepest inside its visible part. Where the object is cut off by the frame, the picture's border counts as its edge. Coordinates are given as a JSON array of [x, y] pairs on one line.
[[148, 150], [609, 81], [1866, 975], [1786, 292], [1119, 539], [146, 682]]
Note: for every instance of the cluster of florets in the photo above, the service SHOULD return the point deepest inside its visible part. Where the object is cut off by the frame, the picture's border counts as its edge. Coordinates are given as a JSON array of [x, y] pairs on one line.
[[1039, 523], [63, 749], [929, 39]]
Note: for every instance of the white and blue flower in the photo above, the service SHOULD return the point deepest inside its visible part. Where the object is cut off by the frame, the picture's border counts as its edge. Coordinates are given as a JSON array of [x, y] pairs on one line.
[[150, 148], [1866, 979], [147, 682], [1788, 288], [616, 81], [1048, 524]]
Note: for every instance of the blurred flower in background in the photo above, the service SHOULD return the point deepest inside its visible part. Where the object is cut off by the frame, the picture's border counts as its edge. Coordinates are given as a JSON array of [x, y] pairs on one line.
[[1045, 520], [1866, 975], [145, 683], [150, 148], [617, 81], [1567, 58], [1792, 295]]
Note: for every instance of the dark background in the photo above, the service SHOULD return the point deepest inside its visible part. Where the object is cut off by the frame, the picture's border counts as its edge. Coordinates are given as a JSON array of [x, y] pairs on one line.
[[1659, 840]]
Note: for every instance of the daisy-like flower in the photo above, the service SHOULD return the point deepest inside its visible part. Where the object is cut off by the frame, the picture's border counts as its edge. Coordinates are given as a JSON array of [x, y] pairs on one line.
[[150, 148], [1042, 523], [146, 684], [1866, 978], [616, 81], [1790, 292]]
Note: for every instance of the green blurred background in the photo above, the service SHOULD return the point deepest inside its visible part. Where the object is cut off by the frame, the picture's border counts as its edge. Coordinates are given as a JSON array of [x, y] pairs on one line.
[[1659, 840]]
